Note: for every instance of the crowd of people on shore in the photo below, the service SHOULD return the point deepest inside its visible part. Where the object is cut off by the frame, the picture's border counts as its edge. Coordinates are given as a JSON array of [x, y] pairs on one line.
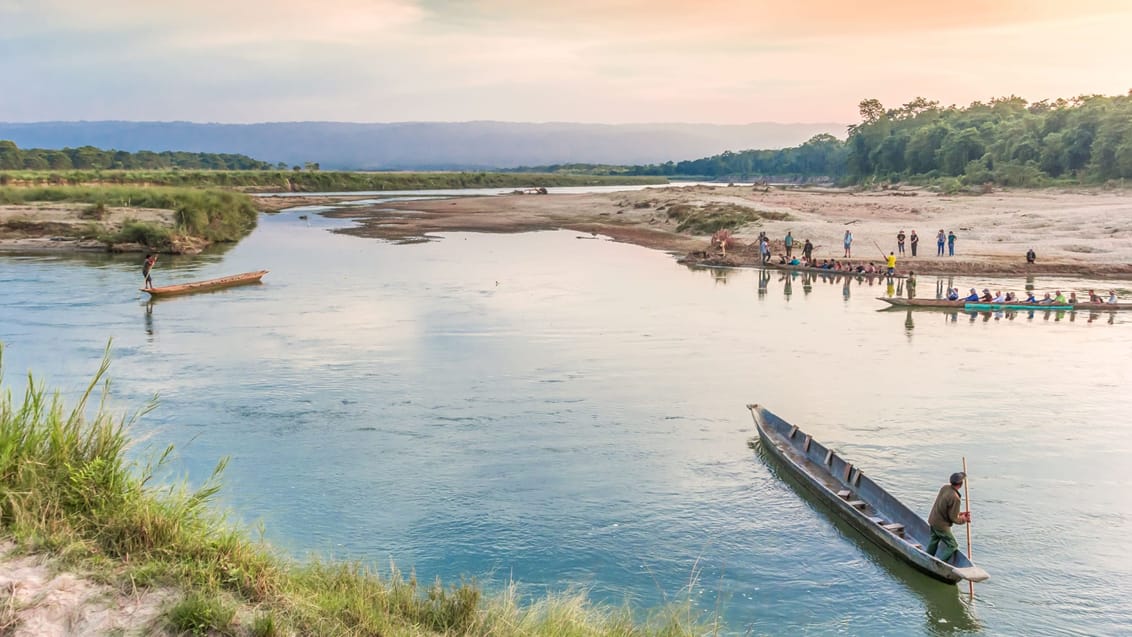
[[1057, 298]]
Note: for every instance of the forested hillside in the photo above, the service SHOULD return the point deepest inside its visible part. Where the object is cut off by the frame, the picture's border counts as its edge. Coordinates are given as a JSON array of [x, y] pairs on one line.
[[88, 157], [1006, 141]]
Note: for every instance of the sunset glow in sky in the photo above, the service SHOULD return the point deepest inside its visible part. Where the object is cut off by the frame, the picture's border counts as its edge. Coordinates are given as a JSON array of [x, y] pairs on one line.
[[607, 61]]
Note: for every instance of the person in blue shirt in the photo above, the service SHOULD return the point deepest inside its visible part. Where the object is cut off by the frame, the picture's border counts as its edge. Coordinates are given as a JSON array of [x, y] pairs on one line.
[[973, 297], [953, 294], [1030, 297]]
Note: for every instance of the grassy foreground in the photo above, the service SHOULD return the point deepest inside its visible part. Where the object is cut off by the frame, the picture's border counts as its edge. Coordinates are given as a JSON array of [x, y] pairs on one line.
[[68, 488]]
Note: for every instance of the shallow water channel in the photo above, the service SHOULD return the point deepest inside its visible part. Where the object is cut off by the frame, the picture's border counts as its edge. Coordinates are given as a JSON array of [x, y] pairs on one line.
[[565, 412]]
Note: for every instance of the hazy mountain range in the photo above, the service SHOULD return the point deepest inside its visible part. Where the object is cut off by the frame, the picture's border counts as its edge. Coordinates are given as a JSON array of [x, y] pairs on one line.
[[424, 145]]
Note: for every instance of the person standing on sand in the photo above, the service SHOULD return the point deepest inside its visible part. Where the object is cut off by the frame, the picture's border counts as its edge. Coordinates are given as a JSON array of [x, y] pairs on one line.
[[915, 241], [950, 243], [808, 252], [946, 512], [900, 242], [848, 244], [1031, 256], [147, 269], [940, 239], [789, 241]]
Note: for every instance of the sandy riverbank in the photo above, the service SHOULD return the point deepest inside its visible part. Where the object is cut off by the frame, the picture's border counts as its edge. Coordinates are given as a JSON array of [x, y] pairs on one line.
[[1074, 232], [1077, 232]]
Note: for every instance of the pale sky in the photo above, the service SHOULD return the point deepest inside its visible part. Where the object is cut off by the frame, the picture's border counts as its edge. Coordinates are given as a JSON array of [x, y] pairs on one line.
[[602, 61]]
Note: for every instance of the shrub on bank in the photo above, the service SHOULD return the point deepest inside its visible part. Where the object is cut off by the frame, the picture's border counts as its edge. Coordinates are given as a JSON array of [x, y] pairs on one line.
[[69, 487], [214, 215]]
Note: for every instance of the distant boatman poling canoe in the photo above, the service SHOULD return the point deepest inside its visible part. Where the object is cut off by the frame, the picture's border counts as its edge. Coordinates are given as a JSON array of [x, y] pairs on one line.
[[206, 286]]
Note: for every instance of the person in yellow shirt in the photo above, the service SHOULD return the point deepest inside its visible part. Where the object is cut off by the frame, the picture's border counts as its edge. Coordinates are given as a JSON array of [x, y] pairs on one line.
[[890, 260]]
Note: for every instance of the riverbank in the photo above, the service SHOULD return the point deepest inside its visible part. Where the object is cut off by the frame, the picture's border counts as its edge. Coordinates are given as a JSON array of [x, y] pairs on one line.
[[122, 218], [1073, 232]]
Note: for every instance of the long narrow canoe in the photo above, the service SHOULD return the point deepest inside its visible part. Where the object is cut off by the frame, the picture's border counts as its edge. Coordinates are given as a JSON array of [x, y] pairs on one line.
[[961, 304], [855, 498], [205, 286]]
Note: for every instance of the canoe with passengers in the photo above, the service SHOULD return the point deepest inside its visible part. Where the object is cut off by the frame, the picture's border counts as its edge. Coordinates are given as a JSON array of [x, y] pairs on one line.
[[855, 498], [963, 304], [206, 286]]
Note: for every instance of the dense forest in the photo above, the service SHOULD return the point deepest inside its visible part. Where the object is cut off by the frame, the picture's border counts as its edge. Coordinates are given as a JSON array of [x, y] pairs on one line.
[[1006, 141], [90, 158]]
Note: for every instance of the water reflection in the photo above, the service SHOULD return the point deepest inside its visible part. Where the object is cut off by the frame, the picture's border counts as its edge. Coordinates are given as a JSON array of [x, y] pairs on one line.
[[149, 318]]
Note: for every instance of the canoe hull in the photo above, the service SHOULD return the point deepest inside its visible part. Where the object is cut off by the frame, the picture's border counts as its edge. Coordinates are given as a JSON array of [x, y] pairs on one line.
[[872, 511], [942, 303], [206, 286]]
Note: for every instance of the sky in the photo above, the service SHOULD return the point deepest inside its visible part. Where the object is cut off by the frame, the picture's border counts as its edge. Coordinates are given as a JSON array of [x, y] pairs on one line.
[[598, 61]]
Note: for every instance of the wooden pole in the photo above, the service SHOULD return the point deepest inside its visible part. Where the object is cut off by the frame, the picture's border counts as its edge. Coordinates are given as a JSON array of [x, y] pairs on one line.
[[967, 501]]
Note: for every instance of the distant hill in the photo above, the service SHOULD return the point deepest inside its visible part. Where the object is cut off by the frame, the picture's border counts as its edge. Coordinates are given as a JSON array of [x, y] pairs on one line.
[[423, 145]]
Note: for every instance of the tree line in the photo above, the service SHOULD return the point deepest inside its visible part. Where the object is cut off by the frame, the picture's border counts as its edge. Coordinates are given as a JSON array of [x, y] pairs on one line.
[[1006, 141], [90, 158]]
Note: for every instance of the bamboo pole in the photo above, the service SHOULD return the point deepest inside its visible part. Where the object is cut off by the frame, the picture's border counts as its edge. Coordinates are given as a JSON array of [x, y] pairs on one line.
[[967, 501]]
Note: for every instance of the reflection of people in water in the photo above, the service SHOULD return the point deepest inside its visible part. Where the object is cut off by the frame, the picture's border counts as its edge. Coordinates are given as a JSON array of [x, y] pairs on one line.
[[788, 285], [891, 289], [149, 318], [764, 281]]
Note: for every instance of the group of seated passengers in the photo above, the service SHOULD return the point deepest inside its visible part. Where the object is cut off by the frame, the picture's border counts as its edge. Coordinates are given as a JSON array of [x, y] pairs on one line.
[[1009, 297]]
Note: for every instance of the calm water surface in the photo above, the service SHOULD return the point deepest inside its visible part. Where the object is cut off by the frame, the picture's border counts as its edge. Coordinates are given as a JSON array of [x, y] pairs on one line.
[[566, 412]]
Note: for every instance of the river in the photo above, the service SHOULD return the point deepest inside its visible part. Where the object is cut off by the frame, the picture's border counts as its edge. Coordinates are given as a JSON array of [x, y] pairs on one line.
[[569, 413]]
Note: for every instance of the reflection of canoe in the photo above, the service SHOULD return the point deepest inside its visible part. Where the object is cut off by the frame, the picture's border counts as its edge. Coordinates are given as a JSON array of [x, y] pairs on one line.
[[204, 286], [1097, 307], [858, 500]]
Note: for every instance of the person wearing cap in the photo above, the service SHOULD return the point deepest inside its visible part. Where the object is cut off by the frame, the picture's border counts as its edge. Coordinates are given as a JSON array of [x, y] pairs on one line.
[[946, 512], [987, 296]]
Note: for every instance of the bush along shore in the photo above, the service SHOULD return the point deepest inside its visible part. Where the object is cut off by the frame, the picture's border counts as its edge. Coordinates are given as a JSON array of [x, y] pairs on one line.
[[124, 218], [73, 496], [313, 180]]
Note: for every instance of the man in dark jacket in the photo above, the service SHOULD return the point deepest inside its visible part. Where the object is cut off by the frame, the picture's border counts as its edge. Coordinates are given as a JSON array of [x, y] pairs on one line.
[[946, 512]]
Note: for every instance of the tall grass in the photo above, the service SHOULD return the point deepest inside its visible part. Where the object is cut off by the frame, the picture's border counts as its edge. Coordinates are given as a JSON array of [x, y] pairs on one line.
[[69, 486], [215, 215]]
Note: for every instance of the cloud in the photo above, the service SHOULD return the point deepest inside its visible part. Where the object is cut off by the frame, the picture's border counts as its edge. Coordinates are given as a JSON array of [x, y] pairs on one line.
[[585, 60]]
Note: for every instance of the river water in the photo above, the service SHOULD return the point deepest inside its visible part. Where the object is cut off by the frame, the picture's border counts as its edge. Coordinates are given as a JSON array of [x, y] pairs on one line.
[[566, 412]]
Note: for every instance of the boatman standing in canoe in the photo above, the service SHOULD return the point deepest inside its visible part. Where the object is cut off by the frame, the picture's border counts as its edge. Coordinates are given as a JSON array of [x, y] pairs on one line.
[[147, 269], [946, 512]]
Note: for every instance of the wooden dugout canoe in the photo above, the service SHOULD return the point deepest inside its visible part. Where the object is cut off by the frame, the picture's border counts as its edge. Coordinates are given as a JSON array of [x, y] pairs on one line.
[[961, 304], [855, 498], [205, 286]]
